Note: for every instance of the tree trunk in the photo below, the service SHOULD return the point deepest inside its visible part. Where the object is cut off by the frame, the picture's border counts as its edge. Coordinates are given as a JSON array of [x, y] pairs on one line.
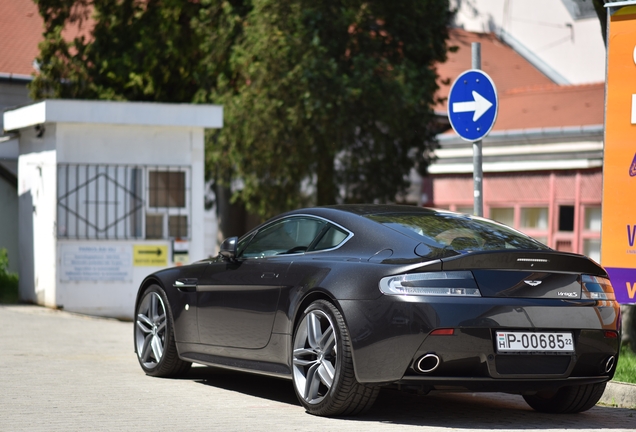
[[628, 313], [231, 216], [326, 187]]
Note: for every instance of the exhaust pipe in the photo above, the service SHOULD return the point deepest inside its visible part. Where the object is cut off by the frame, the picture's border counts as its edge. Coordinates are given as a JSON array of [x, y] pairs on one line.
[[427, 363], [609, 365]]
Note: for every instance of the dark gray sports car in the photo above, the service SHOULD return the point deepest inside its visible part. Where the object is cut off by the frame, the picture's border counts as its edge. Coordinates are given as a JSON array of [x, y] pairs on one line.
[[345, 300]]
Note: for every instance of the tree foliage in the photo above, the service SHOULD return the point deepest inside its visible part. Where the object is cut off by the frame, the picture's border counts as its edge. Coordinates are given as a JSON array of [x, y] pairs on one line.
[[152, 50], [324, 101], [336, 94], [8, 280]]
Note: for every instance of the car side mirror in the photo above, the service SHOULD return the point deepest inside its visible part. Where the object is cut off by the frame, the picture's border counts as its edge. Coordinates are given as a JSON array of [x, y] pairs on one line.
[[228, 248]]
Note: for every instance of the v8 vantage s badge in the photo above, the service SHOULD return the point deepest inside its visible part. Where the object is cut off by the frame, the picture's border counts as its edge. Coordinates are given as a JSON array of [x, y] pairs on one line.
[[567, 294]]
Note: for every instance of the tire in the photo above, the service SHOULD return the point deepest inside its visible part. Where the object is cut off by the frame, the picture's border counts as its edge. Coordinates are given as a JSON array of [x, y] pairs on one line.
[[567, 400], [322, 367], [154, 336]]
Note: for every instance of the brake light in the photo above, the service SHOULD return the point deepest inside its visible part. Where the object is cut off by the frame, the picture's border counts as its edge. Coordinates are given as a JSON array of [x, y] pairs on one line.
[[443, 332]]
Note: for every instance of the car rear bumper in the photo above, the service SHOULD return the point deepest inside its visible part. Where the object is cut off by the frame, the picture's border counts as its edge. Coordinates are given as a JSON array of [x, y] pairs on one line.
[[516, 385], [391, 334]]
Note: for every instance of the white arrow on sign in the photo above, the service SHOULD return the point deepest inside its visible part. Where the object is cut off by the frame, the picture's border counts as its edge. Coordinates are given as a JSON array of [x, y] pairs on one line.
[[479, 105]]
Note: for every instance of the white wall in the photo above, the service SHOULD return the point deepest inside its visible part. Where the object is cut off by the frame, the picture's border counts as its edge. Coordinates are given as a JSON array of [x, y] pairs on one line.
[[144, 145], [99, 276], [577, 53], [103, 297], [117, 144], [37, 203], [41, 254]]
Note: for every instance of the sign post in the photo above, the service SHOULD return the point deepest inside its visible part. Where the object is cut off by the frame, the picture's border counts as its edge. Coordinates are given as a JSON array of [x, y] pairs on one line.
[[472, 111], [618, 231]]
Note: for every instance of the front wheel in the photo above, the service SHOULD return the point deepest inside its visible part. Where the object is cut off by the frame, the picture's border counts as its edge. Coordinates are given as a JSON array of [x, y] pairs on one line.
[[322, 367], [573, 399], [154, 336]]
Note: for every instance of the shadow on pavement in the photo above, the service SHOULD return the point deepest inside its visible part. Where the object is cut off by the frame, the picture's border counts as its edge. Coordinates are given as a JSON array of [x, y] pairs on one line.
[[450, 410], [487, 411], [275, 389]]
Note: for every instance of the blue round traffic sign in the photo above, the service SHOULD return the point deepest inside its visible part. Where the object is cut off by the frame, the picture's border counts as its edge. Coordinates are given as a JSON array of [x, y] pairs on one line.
[[472, 105]]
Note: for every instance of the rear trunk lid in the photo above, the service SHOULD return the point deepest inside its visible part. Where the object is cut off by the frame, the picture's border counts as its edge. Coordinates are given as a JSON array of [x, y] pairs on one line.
[[526, 274]]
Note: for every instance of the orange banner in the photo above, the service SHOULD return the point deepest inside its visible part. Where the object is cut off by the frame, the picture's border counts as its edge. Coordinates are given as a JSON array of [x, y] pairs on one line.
[[618, 238]]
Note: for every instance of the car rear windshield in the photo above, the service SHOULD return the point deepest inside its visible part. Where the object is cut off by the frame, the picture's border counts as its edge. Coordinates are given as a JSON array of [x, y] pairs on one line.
[[452, 231]]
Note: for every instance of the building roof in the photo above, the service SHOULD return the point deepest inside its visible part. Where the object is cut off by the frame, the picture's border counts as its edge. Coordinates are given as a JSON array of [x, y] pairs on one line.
[[506, 67], [21, 29], [114, 113], [551, 106], [528, 99]]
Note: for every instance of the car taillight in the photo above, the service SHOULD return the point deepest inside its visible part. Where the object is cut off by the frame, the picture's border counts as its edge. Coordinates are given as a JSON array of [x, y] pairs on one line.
[[443, 332], [597, 288], [452, 283]]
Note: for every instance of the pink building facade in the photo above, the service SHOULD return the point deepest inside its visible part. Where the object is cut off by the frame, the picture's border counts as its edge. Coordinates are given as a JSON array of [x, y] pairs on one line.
[[560, 208]]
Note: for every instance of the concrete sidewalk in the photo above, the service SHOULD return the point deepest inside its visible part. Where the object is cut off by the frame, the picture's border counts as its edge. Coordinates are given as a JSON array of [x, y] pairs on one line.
[[65, 372], [621, 395]]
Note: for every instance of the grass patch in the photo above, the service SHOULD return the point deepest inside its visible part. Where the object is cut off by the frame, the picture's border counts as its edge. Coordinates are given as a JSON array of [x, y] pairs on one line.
[[626, 368], [8, 281]]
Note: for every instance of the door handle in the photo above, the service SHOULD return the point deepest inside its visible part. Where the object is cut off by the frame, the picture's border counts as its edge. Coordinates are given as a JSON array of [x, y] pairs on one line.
[[269, 275], [186, 284]]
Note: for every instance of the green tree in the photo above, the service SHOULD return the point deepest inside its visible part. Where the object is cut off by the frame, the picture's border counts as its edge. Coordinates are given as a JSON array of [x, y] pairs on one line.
[[336, 94], [325, 100], [8, 280], [134, 50]]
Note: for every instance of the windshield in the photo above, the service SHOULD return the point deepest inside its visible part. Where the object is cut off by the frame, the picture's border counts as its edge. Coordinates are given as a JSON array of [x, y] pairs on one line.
[[457, 232]]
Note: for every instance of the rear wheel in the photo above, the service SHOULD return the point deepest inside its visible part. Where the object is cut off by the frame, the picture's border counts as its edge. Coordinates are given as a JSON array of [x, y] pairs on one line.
[[572, 399], [154, 336], [323, 373]]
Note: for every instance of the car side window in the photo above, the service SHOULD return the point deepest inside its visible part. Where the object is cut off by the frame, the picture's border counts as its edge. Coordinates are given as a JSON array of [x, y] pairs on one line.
[[332, 238], [291, 235]]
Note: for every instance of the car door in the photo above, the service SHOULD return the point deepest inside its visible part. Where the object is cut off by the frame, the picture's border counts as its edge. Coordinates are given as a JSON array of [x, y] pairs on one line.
[[238, 300]]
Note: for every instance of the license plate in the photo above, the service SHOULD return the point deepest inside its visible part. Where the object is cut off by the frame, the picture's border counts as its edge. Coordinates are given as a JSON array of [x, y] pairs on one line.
[[534, 341]]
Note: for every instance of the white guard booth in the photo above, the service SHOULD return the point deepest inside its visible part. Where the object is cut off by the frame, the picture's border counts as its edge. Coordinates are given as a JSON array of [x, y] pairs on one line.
[[109, 192]]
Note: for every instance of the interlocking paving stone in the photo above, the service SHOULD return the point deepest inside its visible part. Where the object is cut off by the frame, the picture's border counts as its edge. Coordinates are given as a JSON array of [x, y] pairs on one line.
[[66, 372]]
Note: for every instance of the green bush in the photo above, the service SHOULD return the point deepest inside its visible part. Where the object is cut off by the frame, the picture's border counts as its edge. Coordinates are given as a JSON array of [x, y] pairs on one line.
[[626, 368], [8, 280]]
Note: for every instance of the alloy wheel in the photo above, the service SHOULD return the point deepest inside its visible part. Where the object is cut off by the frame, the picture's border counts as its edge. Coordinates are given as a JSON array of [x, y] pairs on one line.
[[150, 332], [314, 356]]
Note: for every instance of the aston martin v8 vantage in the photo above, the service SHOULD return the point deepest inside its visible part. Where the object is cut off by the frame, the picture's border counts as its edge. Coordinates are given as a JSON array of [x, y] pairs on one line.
[[348, 299]]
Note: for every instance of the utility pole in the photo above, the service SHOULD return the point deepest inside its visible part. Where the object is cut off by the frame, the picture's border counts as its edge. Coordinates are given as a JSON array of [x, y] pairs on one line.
[[478, 206]]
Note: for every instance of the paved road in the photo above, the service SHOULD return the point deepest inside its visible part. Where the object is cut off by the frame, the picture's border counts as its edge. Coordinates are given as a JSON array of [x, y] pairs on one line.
[[66, 372]]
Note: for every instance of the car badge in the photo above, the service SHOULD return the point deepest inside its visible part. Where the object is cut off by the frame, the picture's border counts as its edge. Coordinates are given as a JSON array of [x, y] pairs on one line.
[[533, 282], [632, 167]]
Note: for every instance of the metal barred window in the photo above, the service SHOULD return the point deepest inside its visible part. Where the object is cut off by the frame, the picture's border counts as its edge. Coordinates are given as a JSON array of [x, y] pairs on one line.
[[123, 201]]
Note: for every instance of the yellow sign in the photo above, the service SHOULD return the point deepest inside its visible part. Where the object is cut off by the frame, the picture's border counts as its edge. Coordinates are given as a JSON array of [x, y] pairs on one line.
[[618, 247], [150, 256]]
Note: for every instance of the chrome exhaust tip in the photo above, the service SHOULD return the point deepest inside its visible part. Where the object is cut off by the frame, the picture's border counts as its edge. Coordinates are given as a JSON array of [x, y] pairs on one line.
[[427, 363], [609, 364]]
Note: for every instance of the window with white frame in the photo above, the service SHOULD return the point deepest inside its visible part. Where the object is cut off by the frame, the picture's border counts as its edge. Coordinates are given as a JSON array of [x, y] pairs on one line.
[[505, 215], [592, 232], [167, 213], [99, 201]]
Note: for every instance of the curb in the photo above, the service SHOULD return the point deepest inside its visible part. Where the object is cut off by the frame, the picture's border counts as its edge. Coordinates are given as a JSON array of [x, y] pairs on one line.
[[620, 395]]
